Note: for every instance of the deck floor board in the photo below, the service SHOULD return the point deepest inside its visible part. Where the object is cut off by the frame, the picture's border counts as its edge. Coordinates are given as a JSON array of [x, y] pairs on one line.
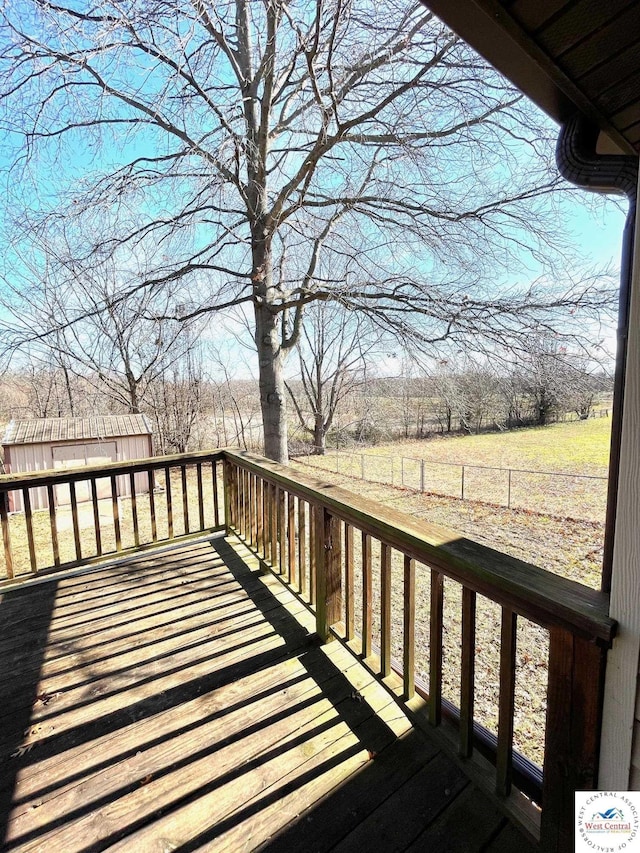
[[181, 701]]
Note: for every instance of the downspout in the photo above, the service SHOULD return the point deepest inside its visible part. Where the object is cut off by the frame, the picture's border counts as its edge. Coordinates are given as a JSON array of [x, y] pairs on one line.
[[579, 163]]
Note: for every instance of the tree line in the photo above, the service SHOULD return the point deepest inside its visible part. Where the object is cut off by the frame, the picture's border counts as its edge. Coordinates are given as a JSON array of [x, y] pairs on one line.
[[337, 393]]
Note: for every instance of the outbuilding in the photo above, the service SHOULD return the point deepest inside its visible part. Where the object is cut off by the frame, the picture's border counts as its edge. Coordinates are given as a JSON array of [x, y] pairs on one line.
[[48, 443]]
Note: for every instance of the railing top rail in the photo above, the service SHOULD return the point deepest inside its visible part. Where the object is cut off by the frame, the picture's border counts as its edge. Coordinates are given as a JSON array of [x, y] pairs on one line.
[[535, 593], [11, 482]]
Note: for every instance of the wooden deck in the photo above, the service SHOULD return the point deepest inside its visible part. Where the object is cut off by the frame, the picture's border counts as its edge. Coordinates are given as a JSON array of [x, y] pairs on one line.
[[180, 702]]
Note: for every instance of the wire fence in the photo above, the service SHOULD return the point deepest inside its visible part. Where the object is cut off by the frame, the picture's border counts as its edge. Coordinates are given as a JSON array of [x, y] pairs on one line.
[[580, 496]]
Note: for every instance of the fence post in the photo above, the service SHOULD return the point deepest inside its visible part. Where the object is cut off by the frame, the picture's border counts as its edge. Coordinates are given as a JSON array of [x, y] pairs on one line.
[[422, 475], [462, 483], [392, 466], [402, 470], [509, 490]]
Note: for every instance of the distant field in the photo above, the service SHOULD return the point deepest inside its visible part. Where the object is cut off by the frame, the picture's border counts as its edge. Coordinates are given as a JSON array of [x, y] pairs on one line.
[[578, 447], [578, 451]]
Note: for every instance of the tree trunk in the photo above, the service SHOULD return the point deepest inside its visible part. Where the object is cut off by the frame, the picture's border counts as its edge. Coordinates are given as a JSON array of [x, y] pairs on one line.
[[319, 437], [271, 383]]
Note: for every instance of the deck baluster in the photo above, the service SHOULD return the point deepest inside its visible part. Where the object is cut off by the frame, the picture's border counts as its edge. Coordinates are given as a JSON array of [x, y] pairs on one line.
[[435, 658], [367, 595], [53, 524], [302, 547], [134, 508], [467, 671], [74, 520], [167, 484], [152, 506], [115, 512], [349, 616], [28, 517], [385, 609], [506, 708], [6, 534], [409, 625], [200, 495]]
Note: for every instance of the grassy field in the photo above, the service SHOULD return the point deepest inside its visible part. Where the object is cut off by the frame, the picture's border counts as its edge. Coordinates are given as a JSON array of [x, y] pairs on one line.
[[578, 447], [577, 453]]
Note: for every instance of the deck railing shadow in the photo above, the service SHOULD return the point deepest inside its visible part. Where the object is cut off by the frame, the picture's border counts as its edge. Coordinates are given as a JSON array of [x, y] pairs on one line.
[[321, 678], [14, 606]]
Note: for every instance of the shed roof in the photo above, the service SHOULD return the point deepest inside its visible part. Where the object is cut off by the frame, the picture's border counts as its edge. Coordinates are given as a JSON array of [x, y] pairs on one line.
[[45, 430]]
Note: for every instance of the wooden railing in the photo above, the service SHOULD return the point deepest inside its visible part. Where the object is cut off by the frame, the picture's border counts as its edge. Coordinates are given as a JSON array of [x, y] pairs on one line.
[[167, 498], [390, 587], [319, 539]]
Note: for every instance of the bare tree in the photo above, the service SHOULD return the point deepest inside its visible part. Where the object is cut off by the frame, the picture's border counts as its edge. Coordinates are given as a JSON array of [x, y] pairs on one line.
[[259, 151], [332, 353], [118, 345], [175, 401]]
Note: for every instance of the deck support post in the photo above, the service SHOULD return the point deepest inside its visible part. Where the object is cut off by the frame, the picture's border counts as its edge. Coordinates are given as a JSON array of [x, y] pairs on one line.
[[328, 572], [574, 715]]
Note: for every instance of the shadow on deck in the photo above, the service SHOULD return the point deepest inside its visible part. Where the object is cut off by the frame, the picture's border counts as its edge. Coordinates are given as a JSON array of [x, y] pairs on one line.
[[179, 701]]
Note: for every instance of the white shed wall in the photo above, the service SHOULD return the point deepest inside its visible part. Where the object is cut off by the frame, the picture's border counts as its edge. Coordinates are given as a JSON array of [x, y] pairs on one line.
[[24, 458]]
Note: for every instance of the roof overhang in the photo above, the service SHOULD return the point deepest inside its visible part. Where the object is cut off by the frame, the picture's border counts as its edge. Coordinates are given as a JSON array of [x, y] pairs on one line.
[[510, 35]]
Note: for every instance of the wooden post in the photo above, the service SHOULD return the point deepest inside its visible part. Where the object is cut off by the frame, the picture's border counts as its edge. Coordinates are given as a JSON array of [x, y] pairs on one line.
[[74, 519], [226, 484], [328, 572], [115, 511], [134, 509], [53, 524], [350, 627], [291, 538], [385, 610], [260, 517], [367, 595], [214, 484], [96, 520], [28, 517], [409, 633], [435, 653], [6, 535], [467, 671], [167, 490], [312, 554], [200, 495], [302, 547], [574, 715], [185, 500], [506, 707]]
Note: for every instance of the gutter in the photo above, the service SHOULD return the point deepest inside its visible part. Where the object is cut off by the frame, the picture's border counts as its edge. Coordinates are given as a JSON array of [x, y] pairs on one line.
[[580, 164]]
